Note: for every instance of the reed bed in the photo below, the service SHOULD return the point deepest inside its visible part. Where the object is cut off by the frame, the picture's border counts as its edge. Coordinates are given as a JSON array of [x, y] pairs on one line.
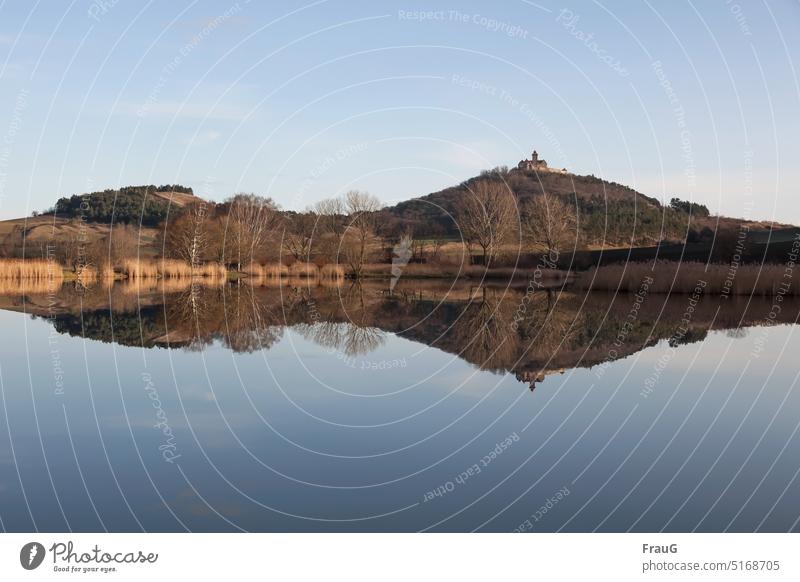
[[304, 270], [253, 269], [174, 269], [30, 269], [144, 286], [684, 277], [332, 272], [171, 269], [16, 287], [166, 286], [262, 281], [107, 272], [268, 271], [139, 269], [86, 276], [295, 282], [211, 271]]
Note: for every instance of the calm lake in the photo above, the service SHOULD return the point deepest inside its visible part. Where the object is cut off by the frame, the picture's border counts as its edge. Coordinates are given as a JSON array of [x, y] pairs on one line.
[[301, 407]]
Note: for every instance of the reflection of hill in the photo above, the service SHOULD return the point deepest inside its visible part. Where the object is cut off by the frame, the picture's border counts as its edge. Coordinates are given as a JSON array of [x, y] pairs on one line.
[[496, 329]]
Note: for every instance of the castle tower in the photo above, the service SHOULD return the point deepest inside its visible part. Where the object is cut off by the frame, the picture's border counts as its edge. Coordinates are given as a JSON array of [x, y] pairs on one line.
[[534, 164]]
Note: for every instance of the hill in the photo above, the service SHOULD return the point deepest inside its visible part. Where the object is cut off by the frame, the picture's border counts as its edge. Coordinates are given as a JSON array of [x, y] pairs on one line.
[[609, 213], [88, 218], [145, 205]]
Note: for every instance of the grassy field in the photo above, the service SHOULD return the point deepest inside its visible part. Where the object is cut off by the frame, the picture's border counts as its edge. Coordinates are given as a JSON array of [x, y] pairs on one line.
[[42, 230]]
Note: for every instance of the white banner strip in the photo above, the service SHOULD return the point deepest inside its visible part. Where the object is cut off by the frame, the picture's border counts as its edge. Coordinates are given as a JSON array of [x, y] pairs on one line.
[[402, 557]]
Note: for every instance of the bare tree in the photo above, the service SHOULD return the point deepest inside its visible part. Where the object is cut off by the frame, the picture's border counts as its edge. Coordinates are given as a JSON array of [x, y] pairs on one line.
[[123, 242], [437, 241], [299, 238], [73, 252], [487, 216], [362, 209], [187, 237], [252, 220], [551, 222], [332, 214]]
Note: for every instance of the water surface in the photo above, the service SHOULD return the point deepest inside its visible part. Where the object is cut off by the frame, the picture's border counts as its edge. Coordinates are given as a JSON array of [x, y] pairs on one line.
[[304, 407]]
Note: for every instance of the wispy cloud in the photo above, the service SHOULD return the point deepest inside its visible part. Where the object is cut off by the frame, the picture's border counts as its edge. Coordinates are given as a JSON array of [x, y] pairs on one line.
[[203, 138], [183, 110]]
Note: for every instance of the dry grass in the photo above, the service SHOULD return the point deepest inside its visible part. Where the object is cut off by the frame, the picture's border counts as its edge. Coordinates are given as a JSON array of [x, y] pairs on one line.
[[165, 286], [30, 276], [15, 287], [303, 270], [139, 269], [253, 269], [30, 269], [86, 276], [675, 277], [107, 272], [211, 271], [295, 282], [332, 272], [171, 269], [268, 271], [262, 281]]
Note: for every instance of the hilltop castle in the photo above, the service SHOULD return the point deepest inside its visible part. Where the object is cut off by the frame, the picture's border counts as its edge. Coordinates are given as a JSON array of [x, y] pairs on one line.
[[535, 164]]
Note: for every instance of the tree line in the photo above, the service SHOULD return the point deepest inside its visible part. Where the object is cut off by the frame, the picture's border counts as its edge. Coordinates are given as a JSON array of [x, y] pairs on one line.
[[497, 216]]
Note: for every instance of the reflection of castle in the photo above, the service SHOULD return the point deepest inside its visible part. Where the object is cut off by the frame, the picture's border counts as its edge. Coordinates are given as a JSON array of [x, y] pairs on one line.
[[535, 164], [532, 377]]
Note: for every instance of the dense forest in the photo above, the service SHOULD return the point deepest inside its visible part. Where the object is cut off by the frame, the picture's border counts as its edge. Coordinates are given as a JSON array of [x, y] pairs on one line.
[[129, 205]]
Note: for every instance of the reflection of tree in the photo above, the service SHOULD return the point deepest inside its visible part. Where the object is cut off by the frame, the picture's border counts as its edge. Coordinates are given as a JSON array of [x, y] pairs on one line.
[[361, 339], [343, 322], [187, 311], [736, 333], [327, 334], [484, 331], [361, 335], [345, 326], [548, 322], [250, 324], [530, 335], [345, 337]]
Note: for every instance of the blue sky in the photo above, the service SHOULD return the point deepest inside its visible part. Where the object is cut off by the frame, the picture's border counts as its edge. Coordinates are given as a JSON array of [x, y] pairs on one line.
[[301, 101]]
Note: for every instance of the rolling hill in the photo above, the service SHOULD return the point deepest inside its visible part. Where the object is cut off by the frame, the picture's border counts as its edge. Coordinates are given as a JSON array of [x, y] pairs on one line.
[[610, 214]]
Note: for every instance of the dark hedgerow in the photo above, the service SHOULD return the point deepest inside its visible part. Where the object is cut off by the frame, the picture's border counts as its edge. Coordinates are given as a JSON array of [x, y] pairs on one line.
[[129, 205]]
